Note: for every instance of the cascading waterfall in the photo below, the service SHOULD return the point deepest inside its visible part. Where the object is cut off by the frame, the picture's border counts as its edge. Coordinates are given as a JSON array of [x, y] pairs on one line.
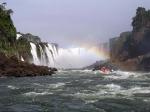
[[34, 54], [43, 56], [22, 58], [42, 53], [50, 56], [47, 54]]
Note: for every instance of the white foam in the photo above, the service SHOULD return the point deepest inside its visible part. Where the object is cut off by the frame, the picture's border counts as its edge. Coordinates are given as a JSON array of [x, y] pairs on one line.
[[34, 54], [113, 86], [18, 36], [110, 90], [88, 81], [87, 71], [146, 100], [12, 87], [22, 58], [122, 75], [90, 101], [37, 94], [88, 96], [133, 90], [56, 85], [140, 90]]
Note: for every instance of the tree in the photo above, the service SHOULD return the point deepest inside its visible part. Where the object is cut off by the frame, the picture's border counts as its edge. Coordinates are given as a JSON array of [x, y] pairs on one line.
[[7, 29], [141, 19]]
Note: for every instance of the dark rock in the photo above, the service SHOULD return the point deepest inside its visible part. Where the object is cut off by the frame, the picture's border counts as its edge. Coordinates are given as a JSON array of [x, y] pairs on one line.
[[11, 66], [31, 38], [119, 46], [131, 50], [99, 64]]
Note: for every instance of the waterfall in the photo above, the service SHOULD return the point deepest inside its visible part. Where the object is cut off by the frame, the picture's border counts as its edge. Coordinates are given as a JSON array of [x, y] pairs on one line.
[[34, 54], [22, 58], [49, 55], [43, 60], [18, 36], [55, 50], [48, 52]]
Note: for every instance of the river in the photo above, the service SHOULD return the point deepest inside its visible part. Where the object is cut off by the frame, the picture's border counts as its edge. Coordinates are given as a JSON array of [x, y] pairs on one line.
[[77, 91]]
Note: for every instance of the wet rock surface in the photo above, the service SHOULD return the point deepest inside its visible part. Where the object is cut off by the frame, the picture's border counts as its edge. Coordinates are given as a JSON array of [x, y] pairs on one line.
[[100, 64], [11, 66]]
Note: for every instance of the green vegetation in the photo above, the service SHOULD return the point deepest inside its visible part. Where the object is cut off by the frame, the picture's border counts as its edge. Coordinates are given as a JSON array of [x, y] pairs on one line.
[[135, 43], [141, 19], [131, 49], [7, 31], [23, 47], [8, 43]]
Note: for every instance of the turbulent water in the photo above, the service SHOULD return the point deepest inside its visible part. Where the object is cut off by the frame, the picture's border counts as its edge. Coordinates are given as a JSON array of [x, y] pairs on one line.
[[77, 91], [75, 57]]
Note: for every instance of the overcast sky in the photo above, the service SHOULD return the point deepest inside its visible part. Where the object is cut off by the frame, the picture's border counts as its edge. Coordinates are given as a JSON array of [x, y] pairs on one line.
[[74, 22]]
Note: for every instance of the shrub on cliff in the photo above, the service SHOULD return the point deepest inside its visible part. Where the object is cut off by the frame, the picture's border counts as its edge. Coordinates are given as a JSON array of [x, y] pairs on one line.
[[7, 29], [23, 48], [141, 19]]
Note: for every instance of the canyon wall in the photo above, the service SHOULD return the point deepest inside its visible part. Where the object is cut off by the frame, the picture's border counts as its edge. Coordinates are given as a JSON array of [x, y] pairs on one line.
[[26, 47], [39, 53], [131, 50]]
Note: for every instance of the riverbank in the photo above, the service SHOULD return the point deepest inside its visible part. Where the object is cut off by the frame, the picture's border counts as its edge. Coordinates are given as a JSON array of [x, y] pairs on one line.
[[12, 67]]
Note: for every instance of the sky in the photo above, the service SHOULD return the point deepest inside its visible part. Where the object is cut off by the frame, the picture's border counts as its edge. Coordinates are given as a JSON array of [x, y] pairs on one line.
[[74, 22]]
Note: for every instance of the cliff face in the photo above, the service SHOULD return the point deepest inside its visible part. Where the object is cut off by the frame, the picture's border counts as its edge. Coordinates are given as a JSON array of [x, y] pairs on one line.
[[25, 47], [31, 49], [119, 46], [31, 38], [131, 49], [7, 31], [18, 50]]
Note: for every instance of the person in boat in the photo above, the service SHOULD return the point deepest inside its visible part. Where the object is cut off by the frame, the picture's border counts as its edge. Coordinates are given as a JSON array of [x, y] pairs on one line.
[[105, 70]]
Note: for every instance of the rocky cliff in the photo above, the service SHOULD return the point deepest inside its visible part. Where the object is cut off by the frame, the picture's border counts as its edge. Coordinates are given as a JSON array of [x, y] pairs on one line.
[[131, 49], [20, 53], [35, 51], [25, 47]]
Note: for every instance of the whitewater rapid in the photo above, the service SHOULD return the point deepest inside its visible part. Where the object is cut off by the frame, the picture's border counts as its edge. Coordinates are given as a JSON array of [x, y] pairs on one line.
[[77, 90]]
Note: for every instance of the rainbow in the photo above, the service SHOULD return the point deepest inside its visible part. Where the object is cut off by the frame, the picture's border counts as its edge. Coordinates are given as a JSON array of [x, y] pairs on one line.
[[101, 52]]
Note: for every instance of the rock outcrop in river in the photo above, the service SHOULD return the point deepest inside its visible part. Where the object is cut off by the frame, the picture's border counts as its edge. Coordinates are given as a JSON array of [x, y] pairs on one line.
[[131, 50], [11, 66]]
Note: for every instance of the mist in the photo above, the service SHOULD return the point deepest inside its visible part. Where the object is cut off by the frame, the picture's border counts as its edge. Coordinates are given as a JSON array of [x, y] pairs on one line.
[[74, 23]]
